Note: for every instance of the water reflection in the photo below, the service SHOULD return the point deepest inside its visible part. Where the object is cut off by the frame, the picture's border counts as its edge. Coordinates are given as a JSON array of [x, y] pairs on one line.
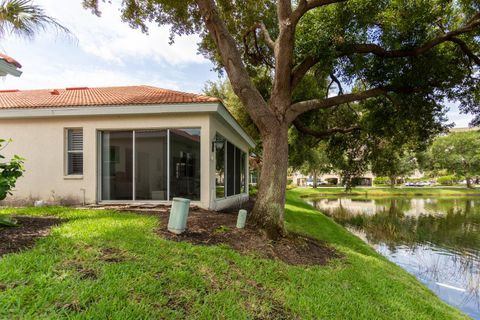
[[436, 239]]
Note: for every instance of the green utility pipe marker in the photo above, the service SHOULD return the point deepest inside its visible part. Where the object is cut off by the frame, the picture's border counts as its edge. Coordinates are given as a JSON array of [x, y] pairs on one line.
[[241, 219], [177, 222]]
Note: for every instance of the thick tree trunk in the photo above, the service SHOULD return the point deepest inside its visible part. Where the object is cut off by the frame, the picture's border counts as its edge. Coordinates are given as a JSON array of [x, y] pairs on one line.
[[393, 182], [315, 179], [269, 208], [469, 182]]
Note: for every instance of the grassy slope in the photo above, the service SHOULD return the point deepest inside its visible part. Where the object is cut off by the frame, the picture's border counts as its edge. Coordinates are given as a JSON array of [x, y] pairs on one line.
[[423, 191], [162, 279]]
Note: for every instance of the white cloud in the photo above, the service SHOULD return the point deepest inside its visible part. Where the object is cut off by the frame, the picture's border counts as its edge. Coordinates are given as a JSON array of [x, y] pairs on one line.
[[111, 39]]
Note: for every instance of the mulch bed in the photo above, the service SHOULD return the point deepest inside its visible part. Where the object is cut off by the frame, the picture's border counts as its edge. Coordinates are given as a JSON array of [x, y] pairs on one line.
[[206, 227], [13, 239], [213, 228]]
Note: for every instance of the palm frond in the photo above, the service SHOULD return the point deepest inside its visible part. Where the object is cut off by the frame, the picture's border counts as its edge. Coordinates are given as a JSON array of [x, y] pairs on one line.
[[24, 18]]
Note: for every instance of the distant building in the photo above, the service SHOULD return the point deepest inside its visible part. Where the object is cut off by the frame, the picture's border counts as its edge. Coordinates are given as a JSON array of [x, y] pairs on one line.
[[334, 178]]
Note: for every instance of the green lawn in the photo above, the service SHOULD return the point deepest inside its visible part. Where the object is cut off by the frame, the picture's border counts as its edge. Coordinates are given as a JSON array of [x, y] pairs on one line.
[[387, 191], [104, 264]]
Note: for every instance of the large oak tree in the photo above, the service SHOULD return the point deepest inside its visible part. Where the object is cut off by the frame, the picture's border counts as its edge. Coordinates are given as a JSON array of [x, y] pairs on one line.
[[413, 54]]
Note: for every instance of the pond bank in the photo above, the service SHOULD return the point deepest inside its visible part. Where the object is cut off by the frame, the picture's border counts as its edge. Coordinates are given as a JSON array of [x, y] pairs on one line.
[[436, 239], [400, 191]]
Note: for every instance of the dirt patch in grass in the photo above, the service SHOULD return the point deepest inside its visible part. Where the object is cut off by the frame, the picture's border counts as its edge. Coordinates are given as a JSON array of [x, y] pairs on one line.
[[13, 239], [112, 255], [212, 228]]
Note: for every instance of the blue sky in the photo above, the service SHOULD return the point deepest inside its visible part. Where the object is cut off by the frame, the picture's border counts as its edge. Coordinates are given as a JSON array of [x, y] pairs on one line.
[[107, 52]]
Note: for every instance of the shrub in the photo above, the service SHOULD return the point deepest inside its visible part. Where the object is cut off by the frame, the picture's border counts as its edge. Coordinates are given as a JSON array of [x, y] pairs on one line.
[[10, 171], [446, 180], [381, 180], [253, 190], [291, 186], [8, 222]]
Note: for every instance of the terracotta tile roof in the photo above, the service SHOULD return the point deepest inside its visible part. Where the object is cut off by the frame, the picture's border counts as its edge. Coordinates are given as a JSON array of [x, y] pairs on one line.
[[69, 97]]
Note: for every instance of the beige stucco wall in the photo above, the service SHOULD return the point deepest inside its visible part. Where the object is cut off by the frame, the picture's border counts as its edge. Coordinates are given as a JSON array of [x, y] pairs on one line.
[[41, 141], [220, 126]]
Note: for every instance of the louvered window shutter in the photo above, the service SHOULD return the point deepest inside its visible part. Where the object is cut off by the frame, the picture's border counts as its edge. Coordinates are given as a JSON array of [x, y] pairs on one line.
[[75, 151]]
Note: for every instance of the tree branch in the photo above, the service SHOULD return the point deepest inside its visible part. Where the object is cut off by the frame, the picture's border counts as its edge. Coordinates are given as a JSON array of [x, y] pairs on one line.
[[301, 107], [323, 133], [381, 52], [266, 35], [281, 93], [284, 9], [306, 5], [339, 84], [259, 55], [302, 68], [468, 52]]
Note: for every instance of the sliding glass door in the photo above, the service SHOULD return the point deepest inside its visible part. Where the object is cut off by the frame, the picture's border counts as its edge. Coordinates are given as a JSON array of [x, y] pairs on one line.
[[117, 165], [151, 165], [148, 165]]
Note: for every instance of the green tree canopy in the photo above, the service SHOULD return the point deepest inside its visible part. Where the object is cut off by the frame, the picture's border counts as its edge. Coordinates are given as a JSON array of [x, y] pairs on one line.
[[457, 153], [393, 161]]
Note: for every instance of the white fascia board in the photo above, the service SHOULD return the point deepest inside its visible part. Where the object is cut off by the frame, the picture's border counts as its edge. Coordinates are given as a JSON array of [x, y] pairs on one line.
[[9, 68], [107, 110]]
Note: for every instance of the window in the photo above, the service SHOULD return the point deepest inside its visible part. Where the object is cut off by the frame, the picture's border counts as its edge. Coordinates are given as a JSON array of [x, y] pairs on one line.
[[74, 151], [230, 166]]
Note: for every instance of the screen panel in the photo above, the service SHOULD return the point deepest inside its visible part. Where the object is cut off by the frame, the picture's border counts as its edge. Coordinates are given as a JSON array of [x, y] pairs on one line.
[[230, 169], [220, 150], [185, 163]]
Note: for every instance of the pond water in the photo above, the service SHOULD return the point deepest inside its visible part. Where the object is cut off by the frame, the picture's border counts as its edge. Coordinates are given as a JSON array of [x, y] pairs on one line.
[[435, 239]]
